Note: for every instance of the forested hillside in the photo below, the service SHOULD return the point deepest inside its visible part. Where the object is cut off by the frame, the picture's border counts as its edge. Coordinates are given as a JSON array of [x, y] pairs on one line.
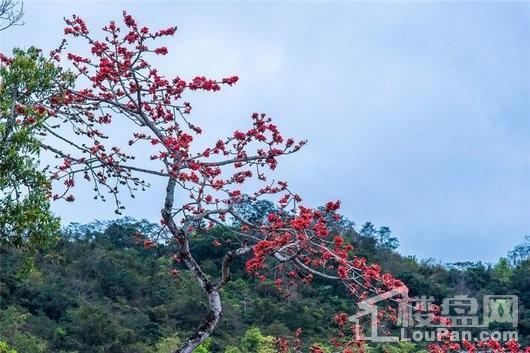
[[99, 288]]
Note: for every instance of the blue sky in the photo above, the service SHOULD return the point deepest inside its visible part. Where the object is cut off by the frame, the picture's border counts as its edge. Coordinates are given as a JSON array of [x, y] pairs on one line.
[[417, 114]]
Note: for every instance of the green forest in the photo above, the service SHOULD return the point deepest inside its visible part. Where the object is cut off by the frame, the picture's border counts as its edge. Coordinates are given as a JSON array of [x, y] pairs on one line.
[[97, 289]]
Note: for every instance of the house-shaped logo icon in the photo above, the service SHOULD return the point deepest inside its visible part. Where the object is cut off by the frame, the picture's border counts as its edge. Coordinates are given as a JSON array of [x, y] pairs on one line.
[[369, 307]]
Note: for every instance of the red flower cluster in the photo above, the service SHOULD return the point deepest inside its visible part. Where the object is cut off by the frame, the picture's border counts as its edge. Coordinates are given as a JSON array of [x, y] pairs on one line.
[[201, 82], [123, 80], [230, 80], [76, 26], [161, 51]]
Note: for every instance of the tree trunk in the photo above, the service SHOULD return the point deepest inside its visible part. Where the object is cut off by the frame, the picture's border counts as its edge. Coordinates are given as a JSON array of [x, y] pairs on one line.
[[208, 325]]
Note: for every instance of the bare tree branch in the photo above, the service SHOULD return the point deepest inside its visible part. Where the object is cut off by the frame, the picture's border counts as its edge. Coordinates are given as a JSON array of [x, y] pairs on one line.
[[11, 13]]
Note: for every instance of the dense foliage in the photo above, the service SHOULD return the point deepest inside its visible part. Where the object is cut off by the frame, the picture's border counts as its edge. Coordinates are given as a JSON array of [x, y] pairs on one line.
[[26, 80], [99, 289]]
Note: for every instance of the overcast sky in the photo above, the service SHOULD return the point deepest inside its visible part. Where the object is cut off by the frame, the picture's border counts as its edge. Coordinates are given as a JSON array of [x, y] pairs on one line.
[[417, 114]]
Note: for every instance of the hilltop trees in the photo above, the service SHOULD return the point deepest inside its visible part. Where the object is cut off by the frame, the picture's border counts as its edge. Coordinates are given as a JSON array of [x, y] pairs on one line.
[[521, 252], [97, 278]]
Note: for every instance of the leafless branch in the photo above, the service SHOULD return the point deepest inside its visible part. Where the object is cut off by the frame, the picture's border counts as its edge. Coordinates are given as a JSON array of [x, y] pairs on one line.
[[11, 13]]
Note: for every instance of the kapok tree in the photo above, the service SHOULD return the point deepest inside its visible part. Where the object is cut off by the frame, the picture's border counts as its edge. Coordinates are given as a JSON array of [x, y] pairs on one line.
[[118, 87]]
